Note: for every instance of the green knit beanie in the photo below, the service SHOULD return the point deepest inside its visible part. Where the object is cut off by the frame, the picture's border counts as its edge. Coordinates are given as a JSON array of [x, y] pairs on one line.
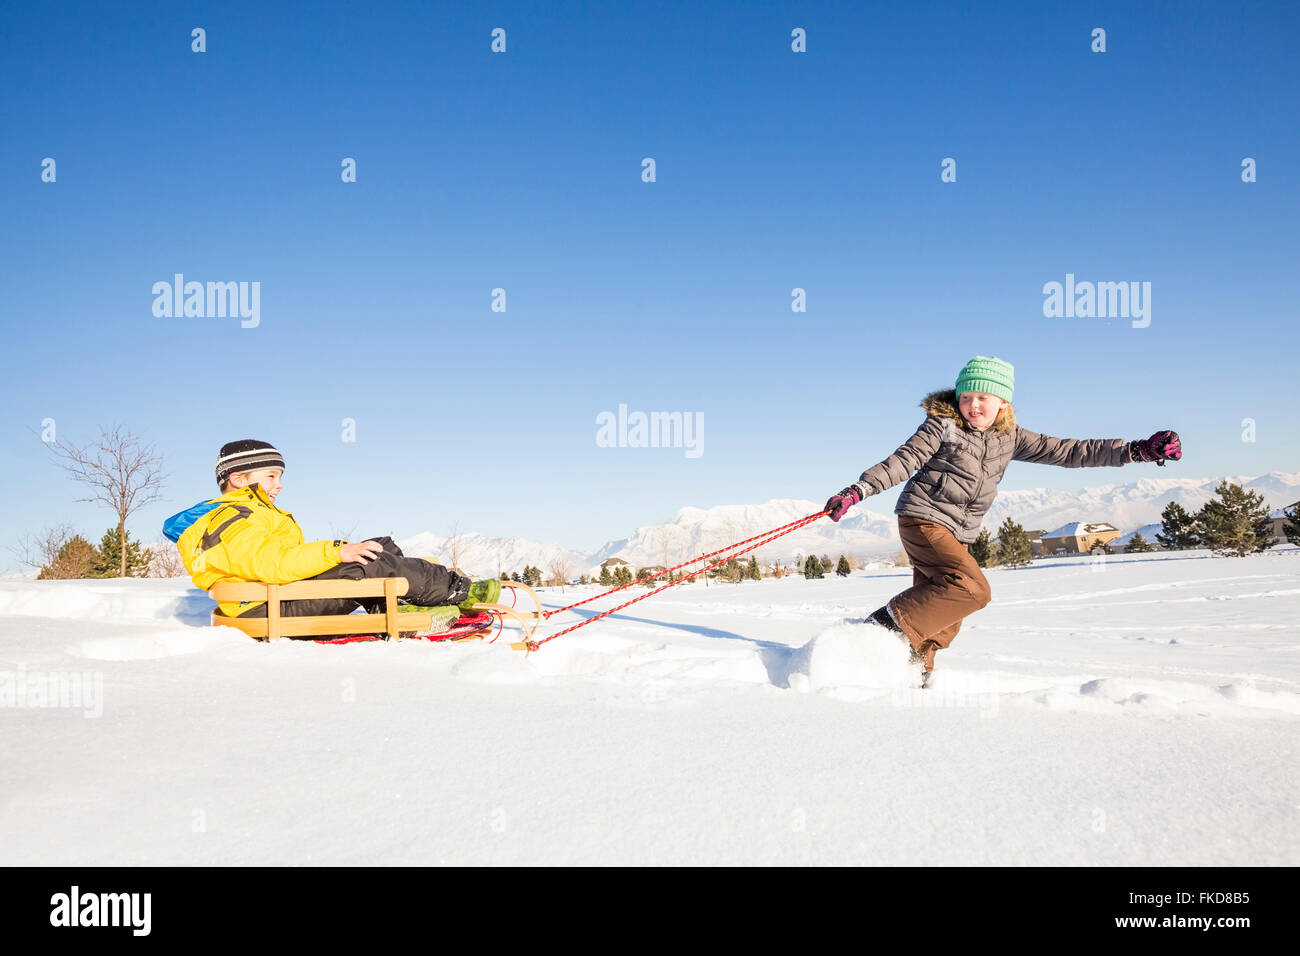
[[984, 374]]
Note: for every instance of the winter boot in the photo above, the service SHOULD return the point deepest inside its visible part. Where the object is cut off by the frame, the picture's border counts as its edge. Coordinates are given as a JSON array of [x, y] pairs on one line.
[[885, 618], [481, 592], [927, 662]]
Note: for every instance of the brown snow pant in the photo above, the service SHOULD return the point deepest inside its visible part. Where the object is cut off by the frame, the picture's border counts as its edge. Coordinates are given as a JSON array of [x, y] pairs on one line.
[[947, 585]]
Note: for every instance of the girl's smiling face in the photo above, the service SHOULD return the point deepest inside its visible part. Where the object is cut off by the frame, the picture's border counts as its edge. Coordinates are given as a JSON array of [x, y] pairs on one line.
[[979, 408]]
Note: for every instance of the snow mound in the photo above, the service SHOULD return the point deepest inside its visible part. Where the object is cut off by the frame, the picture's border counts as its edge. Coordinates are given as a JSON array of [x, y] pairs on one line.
[[110, 599], [1162, 697], [854, 659]]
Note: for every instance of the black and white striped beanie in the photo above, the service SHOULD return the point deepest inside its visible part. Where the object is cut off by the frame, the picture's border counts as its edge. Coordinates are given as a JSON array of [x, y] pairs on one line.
[[246, 455]]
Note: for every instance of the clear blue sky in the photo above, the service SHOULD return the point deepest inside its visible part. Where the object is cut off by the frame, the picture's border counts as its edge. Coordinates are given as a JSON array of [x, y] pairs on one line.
[[522, 170]]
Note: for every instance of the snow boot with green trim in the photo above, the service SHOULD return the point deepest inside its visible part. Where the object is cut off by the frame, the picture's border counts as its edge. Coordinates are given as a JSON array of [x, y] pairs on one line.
[[481, 592]]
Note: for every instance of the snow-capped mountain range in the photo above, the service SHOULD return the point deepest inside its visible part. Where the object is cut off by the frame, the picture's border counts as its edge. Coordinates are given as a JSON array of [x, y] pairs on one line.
[[863, 532]]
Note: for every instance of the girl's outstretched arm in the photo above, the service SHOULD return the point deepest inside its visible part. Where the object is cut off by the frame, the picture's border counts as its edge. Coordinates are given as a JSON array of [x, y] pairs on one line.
[[1069, 452], [905, 460]]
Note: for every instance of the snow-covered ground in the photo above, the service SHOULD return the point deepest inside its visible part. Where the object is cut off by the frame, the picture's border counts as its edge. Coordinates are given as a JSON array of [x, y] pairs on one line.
[[1142, 709]]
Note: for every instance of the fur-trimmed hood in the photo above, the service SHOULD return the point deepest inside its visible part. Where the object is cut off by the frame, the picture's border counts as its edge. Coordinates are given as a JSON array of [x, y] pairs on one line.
[[943, 404]]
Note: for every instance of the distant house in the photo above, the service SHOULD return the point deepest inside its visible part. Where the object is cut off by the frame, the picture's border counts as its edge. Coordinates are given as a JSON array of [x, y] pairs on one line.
[[1036, 542], [610, 565], [1078, 537], [1278, 518], [1148, 532]]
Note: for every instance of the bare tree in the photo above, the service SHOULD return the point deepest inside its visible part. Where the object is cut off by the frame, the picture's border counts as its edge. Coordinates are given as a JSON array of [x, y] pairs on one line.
[[665, 552], [338, 533], [166, 563], [119, 471], [453, 547], [41, 549], [560, 569]]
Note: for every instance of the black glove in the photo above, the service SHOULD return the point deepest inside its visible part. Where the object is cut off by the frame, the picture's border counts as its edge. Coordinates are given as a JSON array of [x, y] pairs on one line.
[[459, 588]]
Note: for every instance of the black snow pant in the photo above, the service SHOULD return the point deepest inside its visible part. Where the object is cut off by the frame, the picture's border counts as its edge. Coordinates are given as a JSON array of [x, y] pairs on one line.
[[430, 585]]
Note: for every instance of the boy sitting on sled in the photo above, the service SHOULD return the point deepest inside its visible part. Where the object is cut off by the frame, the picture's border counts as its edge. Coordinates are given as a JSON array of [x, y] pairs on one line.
[[243, 536]]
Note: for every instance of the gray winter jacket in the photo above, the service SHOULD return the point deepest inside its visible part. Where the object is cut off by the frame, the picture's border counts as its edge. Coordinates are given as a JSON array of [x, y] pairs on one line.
[[957, 468]]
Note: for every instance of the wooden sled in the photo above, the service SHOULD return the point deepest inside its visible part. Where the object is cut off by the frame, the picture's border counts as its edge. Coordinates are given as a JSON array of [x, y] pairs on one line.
[[393, 622]]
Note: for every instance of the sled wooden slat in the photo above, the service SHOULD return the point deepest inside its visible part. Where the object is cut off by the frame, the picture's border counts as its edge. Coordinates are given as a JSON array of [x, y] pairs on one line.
[[248, 591], [390, 606], [329, 624], [276, 625]]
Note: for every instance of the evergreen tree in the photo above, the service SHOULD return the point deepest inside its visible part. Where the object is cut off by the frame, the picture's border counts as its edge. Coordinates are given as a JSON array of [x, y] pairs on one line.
[[78, 558], [731, 571], [1236, 522], [1138, 544], [842, 567], [812, 568], [1102, 546], [516, 578], [584, 580], [827, 566], [1013, 545], [110, 556], [606, 579], [1291, 526], [1177, 528], [622, 575], [755, 573], [981, 549]]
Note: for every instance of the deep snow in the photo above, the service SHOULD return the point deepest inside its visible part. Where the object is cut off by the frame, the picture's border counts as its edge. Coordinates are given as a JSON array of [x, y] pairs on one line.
[[1139, 710]]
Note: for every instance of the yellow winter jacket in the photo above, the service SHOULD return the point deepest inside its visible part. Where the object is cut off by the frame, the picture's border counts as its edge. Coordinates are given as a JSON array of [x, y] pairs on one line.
[[243, 536]]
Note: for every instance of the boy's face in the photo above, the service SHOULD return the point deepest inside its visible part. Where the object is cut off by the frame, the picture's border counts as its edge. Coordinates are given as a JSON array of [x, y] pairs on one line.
[[268, 478], [979, 408]]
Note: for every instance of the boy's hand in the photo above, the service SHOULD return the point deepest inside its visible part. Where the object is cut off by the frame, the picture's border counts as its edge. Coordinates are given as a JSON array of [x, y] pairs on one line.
[[362, 552]]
